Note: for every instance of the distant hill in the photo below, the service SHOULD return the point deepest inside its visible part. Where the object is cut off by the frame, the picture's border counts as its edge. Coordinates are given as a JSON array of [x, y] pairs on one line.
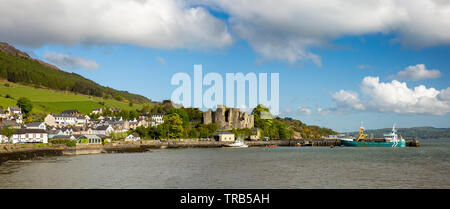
[[18, 67], [416, 132]]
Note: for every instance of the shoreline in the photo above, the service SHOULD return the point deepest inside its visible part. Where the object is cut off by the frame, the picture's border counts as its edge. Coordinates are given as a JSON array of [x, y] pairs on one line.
[[30, 152]]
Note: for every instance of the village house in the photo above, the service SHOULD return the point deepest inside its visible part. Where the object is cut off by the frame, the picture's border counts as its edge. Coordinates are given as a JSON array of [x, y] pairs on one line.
[[29, 136], [255, 134], [52, 132], [104, 130], [133, 124], [142, 116], [82, 130], [224, 137], [69, 113], [9, 123], [157, 119], [14, 111], [114, 109], [63, 131], [36, 125], [60, 120], [97, 111], [17, 118], [133, 137], [82, 120]]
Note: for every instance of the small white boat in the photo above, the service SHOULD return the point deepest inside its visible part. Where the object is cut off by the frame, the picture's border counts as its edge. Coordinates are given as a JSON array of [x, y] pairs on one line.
[[237, 144]]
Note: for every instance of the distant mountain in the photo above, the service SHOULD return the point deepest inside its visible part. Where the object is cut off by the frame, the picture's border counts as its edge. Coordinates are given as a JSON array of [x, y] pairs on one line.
[[18, 67], [416, 132]]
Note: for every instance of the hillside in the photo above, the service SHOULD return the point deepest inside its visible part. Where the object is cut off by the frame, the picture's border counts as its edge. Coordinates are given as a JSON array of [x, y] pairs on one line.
[[52, 101], [18, 67], [416, 132]]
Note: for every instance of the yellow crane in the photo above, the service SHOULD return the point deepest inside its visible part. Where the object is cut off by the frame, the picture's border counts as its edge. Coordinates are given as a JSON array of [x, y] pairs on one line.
[[361, 134]]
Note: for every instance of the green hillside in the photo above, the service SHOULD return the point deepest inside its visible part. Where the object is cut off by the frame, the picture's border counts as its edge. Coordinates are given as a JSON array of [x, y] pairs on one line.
[[18, 67], [51, 101]]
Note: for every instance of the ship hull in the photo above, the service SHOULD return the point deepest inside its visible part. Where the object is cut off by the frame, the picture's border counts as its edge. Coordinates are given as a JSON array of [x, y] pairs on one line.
[[372, 144]]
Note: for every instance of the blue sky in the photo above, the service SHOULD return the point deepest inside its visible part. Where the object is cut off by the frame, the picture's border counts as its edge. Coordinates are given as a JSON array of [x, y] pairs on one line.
[[348, 57]]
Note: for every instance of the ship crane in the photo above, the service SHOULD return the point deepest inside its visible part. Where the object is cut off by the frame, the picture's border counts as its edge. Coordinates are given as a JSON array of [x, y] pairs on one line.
[[361, 134]]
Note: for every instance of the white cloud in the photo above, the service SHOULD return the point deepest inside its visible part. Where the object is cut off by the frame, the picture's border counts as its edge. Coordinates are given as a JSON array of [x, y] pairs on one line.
[[278, 30], [149, 23], [66, 61], [348, 99], [302, 110], [397, 97], [323, 111], [417, 72], [394, 96], [288, 30]]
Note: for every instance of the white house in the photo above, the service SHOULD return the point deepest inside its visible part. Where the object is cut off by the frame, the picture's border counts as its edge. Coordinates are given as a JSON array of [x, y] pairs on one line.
[[157, 119], [97, 111], [29, 136], [224, 137], [14, 111], [36, 125], [60, 120], [82, 120], [104, 130], [133, 137]]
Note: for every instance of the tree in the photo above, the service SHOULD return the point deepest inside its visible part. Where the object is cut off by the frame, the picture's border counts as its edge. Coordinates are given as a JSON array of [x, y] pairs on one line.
[[172, 126], [8, 132], [182, 113], [25, 104]]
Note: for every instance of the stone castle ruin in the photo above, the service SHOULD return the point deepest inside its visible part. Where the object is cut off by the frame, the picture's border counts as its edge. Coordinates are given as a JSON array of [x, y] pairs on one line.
[[228, 118]]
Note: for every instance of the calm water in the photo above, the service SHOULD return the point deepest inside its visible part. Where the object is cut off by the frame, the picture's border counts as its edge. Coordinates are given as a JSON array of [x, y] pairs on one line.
[[283, 167]]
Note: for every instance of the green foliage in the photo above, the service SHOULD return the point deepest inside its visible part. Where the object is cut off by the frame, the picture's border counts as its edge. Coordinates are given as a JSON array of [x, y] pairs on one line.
[[172, 127], [160, 107], [118, 135], [118, 98], [194, 113], [243, 133], [279, 128], [84, 141], [8, 132], [182, 113], [67, 142], [25, 105]]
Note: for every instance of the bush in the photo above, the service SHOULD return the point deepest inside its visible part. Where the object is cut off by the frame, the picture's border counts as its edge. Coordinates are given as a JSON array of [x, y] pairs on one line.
[[67, 142]]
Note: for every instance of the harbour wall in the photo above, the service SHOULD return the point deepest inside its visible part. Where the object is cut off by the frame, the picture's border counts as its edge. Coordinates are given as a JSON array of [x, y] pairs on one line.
[[12, 152]]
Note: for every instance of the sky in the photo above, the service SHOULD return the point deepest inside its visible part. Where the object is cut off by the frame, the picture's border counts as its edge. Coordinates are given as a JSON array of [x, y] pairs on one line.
[[340, 62]]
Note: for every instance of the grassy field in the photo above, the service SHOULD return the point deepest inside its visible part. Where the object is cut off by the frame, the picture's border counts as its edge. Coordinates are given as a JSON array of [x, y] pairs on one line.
[[50, 101]]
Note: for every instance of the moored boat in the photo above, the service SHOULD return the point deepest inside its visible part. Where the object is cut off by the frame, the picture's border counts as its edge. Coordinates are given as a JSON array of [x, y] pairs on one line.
[[390, 140], [237, 144]]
